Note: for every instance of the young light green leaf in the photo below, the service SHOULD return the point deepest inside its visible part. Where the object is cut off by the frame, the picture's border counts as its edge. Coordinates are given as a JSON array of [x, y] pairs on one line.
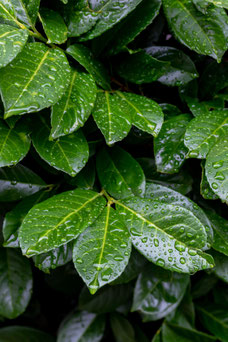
[[169, 148], [129, 28], [18, 182], [23, 334], [204, 131], [171, 332], [15, 283], [108, 254], [110, 13], [181, 69], [158, 292], [168, 235], [82, 326], [74, 108], [53, 25], [140, 68], [85, 57], [220, 227], [145, 113], [169, 196], [122, 328], [40, 76], [216, 169], [215, 320], [119, 173], [112, 116], [191, 27], [58, 220], [55, 258], [12, 41], [14, 144], [68, 154]]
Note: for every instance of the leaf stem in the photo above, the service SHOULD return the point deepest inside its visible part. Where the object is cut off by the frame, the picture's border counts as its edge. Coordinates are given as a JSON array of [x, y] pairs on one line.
[[109, 198]]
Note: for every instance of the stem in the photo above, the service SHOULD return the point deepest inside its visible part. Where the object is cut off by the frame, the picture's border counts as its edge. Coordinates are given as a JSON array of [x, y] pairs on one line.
[[109, 198]]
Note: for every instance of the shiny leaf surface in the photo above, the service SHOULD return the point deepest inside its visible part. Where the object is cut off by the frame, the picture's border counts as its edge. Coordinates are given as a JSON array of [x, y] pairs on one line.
[[54, 26]]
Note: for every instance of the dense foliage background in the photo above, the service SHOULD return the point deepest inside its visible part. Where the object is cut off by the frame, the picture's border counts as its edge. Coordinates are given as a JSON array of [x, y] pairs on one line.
[[113, 170]]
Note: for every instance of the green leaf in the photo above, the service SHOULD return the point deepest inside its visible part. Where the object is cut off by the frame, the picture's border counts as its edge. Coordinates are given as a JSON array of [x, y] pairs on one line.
[[53, 259], [74, 108], [82, 326], [180, 70], [169, 110], [221, 266], [68, 153], [85, 178], [110, 13], [100, 255], [85, 57], [23, 334], [80, 17], [158, 292], [14, 144], [53, 25], [41, 84], [15, 283], [203, 4], [215, 320], [122, 328], [169, 196], [119, 173], [145, 113], [14, 12], [205, 189], [168, 235], [204, 131], [32, 8], [200, 108], [13, 219], [112, 116], [171, 332], [157, 337], [50, 224], [140, 68], [129, 28], [203, 33], [216, 169], [18, 182], [220, 227], [169, 148], [12, 41]]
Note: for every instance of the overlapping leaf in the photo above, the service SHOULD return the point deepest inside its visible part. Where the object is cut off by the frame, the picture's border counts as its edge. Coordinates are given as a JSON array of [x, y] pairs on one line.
[[24, 334], [53, 25]]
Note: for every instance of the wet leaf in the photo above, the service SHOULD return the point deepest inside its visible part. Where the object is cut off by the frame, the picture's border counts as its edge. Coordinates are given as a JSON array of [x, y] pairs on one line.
[[171, 332], [53, 25], [220, 227]]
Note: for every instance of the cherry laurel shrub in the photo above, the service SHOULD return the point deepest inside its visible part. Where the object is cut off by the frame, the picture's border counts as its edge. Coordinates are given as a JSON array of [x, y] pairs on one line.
[[113, 170]]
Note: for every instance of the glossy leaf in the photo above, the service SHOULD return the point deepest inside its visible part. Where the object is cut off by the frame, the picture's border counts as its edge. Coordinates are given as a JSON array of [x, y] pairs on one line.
[[32, 8], [74, 108], [161, 233], [204, 131], [53, 25], [220, 227], [53, 259], [15, 283], [112, 116], [35, 65], [14, 144], [12, 41], [216, 169], [129, 28], [169, 148], [110, 13], [215, 320], [205, 3], [205, 189], [171, 332], [221, 266], [14, 12], [59, 220], [203, 33], [169, 196], [122, 329], [13, 219], [140, 68], [23, 334], [145, 113], [85, 57], [81, 326], [68, 154], [180, 70], [119, 173], [18, 182], [100, 254], [85, 178], [158, 292]]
